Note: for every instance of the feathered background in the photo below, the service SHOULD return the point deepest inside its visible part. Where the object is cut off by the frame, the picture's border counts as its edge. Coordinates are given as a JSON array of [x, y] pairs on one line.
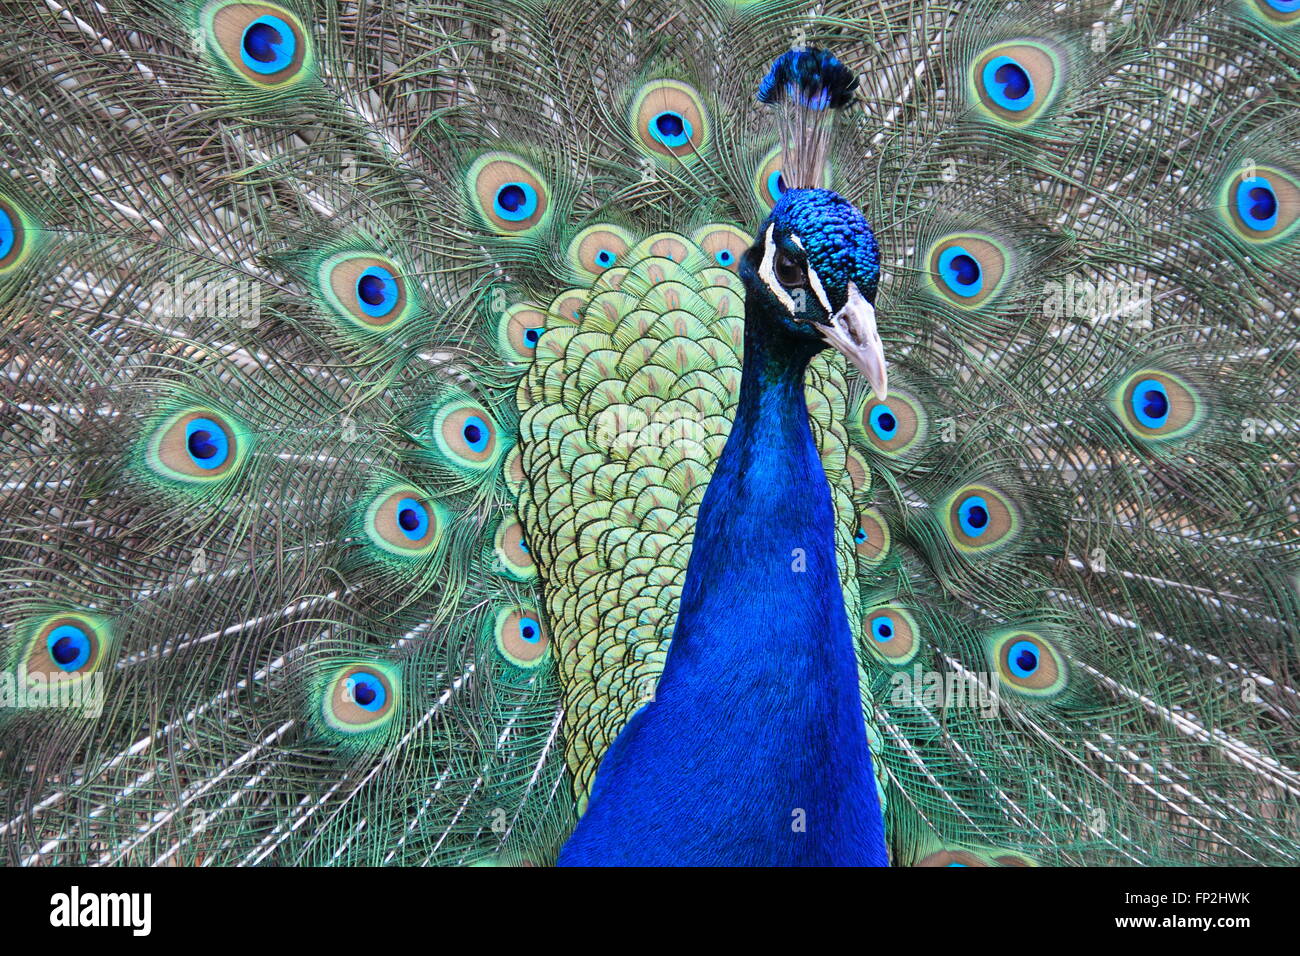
[[362, 378]]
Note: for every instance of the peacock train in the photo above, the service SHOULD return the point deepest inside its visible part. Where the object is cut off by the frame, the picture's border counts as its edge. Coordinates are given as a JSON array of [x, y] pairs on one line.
[[440, 432]]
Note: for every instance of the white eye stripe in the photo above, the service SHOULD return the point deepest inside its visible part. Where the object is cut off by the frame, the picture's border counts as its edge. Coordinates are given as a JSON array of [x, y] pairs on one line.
[[767, 273], [817, 287]]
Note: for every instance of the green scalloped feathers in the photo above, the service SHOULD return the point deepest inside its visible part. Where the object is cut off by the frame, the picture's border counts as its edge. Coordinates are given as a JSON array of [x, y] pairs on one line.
[[607, 246]]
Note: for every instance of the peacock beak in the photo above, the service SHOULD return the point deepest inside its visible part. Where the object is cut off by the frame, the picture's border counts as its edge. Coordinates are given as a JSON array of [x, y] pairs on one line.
[[852, 330]]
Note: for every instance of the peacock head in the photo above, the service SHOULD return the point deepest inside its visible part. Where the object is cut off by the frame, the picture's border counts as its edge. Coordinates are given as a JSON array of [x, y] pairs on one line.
[[814, 265], [813, 270]]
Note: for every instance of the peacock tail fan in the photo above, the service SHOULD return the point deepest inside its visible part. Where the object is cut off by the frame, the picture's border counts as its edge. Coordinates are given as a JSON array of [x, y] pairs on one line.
[[366, 363]]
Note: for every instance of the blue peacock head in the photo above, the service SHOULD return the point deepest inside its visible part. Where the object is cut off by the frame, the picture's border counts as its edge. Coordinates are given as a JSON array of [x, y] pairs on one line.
[[814, 265]]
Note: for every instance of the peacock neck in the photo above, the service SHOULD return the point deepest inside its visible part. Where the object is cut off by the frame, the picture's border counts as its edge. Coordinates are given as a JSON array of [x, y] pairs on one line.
[[763, 665], [766, 525], [772, 412], [753, 749]]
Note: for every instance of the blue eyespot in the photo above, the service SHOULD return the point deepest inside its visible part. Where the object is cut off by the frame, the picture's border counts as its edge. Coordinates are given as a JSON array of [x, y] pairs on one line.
[[377, 292], [206, 443], [532, 336], [724, 257], [1257, 203], [515, 201], [412, 518], [7, 234], [973, 513], [367, 690], [476, 433], [1284, 6], [961, 271], [1022, 658], [776, 184], [529, 630], [670, 128], [860, 536], [1151, 403], [69, 647], [268, 45], [1008, 84], [605, 258], [882, 629], [883, 422]]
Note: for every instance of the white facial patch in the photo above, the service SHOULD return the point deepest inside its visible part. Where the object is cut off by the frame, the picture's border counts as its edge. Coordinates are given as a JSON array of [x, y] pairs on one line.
[[812, 276], [767, 273], [817, 288]]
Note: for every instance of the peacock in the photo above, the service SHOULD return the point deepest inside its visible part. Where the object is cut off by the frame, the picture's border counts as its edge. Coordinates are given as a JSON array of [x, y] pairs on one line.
[[709, 432]]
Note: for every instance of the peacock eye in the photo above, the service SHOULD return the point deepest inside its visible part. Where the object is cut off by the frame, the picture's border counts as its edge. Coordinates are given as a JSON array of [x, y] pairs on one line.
[[520, 636], [1029, 664], [360, 698], [196, 444], [403, 521], [262, 43], [366, 289], [68, 645], [788, 272]]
